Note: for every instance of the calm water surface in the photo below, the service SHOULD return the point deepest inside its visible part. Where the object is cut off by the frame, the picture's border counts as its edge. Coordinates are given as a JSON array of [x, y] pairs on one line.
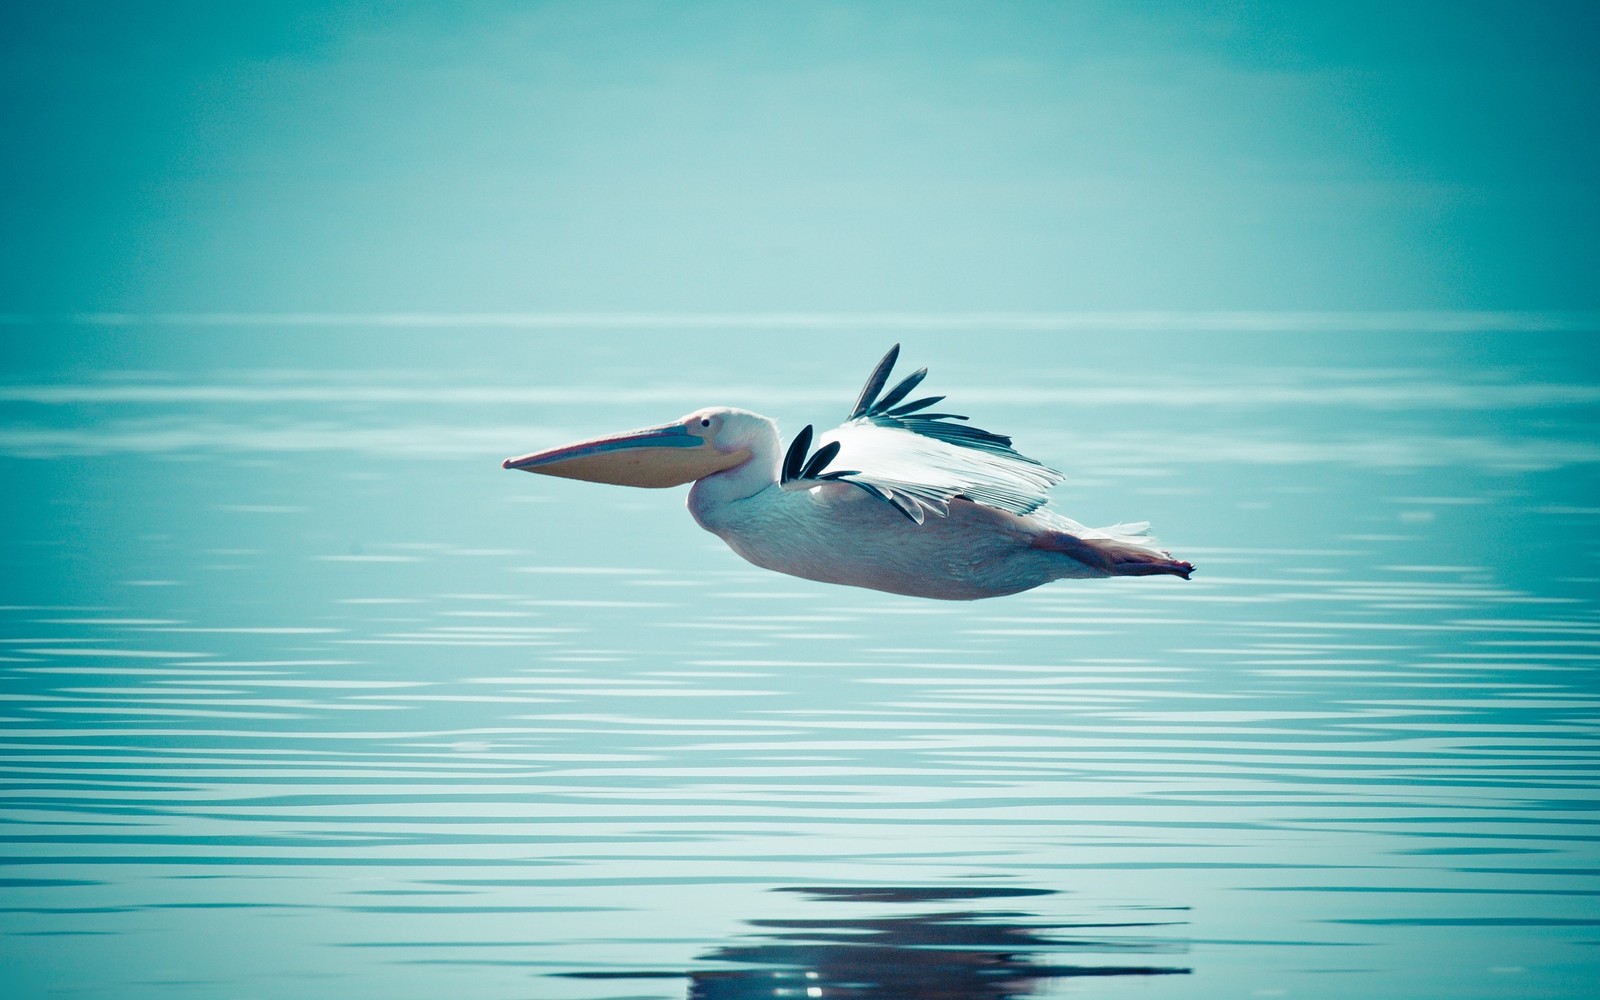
[[305, 696]]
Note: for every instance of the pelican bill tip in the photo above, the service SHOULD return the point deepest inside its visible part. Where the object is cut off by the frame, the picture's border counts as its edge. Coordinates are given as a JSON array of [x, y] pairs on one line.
[[519, 462]]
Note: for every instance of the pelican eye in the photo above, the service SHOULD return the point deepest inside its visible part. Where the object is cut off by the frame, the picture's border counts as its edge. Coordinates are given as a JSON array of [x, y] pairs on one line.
[[705, 421]]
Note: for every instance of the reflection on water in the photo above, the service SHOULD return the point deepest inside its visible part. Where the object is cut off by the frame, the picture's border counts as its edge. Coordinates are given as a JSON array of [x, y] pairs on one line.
[[301, 695], [946, 954]]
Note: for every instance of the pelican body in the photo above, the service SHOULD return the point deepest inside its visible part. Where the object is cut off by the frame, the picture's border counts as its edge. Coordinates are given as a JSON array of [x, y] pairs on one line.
[[896, 498]]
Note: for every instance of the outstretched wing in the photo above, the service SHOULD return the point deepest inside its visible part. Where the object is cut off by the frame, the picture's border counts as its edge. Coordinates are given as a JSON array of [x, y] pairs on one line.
[[916, 460]]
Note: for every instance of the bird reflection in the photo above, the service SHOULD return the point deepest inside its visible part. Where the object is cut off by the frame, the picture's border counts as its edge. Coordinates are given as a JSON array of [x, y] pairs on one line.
[[951, 952]]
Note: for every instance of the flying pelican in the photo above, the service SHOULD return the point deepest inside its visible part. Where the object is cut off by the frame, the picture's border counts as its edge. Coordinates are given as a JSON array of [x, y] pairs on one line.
[[896, 498]]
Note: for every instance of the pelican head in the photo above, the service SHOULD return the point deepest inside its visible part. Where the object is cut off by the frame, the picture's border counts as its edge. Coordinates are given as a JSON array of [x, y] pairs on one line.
[[701, 444]]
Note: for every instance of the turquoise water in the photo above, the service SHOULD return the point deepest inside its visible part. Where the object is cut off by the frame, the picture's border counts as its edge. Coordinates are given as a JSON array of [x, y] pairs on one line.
[[304, 695]]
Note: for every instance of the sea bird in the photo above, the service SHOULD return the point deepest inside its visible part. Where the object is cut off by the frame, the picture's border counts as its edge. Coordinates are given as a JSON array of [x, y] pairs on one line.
[[896, 498]]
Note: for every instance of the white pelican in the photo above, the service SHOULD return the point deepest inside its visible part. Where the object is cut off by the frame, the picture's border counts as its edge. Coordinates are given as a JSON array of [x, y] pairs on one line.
[[895, 498]]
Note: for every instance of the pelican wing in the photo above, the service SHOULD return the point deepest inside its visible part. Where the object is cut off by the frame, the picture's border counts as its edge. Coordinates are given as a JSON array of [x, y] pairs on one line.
[[916, 460]]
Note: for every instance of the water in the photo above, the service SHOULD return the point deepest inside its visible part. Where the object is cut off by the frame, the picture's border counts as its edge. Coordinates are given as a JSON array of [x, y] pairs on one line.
[[304, 695]]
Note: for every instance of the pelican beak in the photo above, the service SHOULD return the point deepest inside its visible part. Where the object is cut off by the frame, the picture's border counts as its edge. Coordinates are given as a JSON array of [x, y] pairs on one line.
[[669, 455]]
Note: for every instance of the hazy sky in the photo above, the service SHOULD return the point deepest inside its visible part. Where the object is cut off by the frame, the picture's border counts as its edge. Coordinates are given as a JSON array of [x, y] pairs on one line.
[[470, 157]]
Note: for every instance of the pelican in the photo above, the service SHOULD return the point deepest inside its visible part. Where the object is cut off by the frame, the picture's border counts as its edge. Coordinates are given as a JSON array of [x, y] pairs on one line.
[[896, 498]]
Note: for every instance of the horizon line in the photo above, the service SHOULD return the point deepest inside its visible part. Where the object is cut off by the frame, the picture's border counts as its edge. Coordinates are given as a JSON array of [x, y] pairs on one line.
[[1153, 320]]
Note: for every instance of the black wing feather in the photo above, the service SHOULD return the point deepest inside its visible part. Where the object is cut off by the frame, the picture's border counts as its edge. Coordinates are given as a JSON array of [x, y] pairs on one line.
[[901, 391], [914, 406], [880, 375], [820, 460], [796, 457], [885, 414], [797, 467]]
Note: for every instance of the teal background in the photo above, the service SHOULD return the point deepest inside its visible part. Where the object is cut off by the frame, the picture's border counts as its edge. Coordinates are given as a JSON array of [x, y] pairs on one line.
[[491, 157]]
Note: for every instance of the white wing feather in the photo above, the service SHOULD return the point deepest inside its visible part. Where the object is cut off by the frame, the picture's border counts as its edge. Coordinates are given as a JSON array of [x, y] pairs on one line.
[[930, 472], [914, 459]]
